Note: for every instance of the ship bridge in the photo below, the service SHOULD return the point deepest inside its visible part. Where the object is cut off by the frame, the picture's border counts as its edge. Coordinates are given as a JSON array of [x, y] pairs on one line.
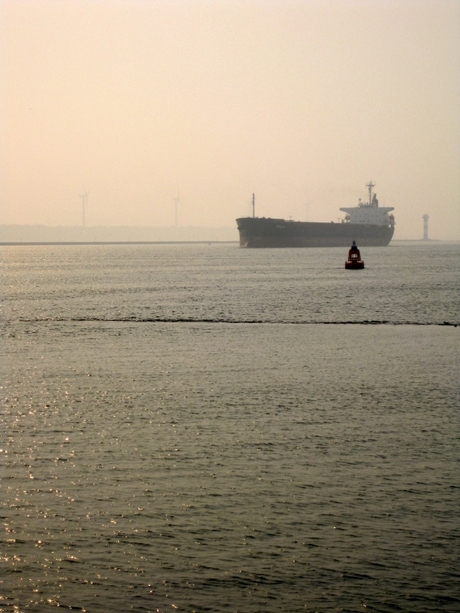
[[369, 212]]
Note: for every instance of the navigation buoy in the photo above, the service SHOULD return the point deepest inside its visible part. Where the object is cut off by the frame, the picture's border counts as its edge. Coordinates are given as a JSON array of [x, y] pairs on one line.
[[354, 261]]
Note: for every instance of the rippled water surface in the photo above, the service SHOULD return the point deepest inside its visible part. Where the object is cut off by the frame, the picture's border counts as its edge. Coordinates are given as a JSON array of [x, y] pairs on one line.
[[205, 428]]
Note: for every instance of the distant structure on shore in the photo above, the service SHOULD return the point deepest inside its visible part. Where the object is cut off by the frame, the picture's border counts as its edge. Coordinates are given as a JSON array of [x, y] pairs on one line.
[[177, 202], [84, 204], [425, 227]]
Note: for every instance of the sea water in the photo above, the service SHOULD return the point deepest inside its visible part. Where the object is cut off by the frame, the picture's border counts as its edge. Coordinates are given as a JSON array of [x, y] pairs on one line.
[[206, 428]]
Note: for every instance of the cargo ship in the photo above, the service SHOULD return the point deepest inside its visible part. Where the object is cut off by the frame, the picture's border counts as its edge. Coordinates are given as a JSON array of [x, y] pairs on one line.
[[368, 224]]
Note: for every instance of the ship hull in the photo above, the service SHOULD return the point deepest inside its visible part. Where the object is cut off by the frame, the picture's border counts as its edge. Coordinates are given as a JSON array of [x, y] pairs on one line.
[[265, 232]]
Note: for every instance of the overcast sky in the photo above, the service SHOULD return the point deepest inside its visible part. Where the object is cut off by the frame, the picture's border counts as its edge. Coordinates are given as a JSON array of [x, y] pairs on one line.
[[300, 101]]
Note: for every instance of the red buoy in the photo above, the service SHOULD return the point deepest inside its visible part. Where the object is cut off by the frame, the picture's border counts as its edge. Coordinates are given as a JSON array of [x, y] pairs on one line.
[[354, 261]]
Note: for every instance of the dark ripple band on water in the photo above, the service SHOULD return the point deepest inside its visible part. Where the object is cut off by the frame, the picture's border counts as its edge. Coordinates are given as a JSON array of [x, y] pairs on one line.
[[187, 320]]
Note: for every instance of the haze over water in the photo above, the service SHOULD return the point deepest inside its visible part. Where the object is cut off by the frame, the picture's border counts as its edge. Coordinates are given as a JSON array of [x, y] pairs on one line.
[[206, 428], [301, 102]]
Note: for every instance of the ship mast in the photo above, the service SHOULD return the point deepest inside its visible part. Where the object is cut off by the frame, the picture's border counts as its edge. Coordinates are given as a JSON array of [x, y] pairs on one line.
[[369, 186], [253, 205]]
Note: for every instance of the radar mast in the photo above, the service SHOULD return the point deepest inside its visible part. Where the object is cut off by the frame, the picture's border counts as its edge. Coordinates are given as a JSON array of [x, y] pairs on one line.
[[370, 186]]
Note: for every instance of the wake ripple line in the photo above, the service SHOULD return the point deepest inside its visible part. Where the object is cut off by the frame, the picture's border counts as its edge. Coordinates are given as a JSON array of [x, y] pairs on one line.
[[191, 320]]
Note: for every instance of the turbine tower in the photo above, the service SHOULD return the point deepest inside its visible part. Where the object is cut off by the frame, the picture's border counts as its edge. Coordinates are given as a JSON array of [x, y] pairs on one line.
[[84, 202], [425, 227], [176, 201]]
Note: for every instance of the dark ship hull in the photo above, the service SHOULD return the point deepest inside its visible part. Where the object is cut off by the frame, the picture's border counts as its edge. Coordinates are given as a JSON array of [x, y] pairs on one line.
[[268, 232]]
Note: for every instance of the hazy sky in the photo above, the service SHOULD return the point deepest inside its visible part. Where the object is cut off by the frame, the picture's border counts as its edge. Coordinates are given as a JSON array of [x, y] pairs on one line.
[[299, 101]]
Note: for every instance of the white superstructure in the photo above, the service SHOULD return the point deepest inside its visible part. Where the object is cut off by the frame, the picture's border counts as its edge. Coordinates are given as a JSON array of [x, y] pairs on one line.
[[369, 212]]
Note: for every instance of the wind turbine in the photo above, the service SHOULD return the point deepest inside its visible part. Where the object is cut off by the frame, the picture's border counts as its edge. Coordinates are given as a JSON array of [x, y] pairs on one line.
[[84, 202], [176, 201]]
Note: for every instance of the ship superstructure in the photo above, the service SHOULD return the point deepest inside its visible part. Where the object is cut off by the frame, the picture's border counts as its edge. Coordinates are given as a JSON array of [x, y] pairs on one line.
[[369, 212]]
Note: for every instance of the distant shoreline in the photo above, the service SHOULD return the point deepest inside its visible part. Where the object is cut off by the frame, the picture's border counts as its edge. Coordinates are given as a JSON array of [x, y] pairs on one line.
[[171, 242], [32, 243]]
